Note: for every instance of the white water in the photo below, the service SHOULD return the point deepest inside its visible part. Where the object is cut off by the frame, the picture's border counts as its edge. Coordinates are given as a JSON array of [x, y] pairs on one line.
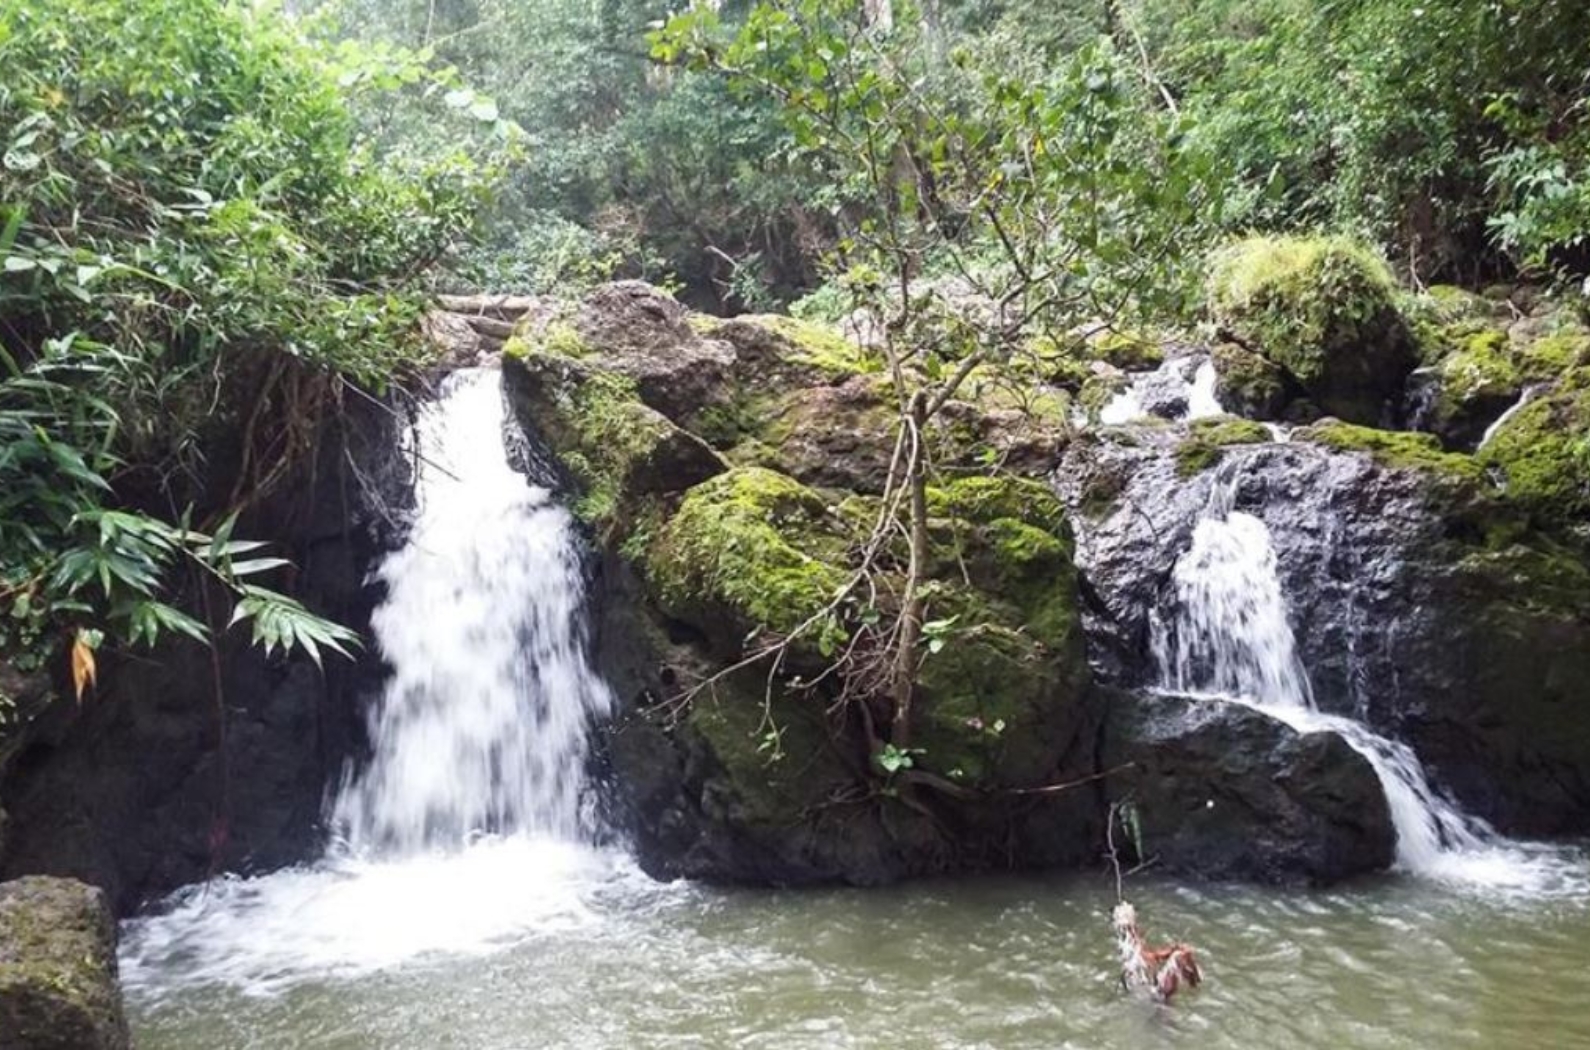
[[1201, 400], [465, 830], [1199, 393], [1228, 636]]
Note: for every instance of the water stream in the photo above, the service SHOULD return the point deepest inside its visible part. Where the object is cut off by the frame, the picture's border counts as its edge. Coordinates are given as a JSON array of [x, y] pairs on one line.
[[466, 904], [1227, 636]]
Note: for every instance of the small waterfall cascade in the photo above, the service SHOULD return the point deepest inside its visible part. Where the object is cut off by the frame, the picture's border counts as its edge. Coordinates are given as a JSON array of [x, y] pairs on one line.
[[1224, 634], [483, 725], [1181, 389], [466, 830]]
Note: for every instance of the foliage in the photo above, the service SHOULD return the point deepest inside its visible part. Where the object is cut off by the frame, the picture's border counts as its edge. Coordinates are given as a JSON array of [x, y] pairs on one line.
[[197, 246], [1452, 133]]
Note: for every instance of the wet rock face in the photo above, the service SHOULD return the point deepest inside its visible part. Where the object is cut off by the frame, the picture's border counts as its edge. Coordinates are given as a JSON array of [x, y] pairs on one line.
[[179, 766], [766, 773], [1421, 605], [1225, 792], [58, 985]]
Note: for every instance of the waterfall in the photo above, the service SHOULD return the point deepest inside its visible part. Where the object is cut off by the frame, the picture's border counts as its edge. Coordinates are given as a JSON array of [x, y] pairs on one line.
[[1225, 634], [465, 829], [483, 725]]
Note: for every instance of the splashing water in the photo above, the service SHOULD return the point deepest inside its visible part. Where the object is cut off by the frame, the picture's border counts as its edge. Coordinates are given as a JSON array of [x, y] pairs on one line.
[[1202, 403], [484, 722], [465, 831], [1227, 636], [1167, 385]]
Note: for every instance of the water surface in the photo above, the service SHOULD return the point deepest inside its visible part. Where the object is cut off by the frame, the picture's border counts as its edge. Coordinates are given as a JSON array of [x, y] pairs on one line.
[[608, 959]]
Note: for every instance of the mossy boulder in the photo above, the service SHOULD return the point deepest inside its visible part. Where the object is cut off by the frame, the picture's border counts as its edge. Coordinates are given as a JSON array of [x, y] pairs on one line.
[[1474, 385], [1207, 439], [1543, 454], [614, 446], [58, 981], [1325, 310], [1249, 384], [748, 551]]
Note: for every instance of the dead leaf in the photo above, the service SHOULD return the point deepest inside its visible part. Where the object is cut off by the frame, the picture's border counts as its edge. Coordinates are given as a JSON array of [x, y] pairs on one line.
[[83, 667]]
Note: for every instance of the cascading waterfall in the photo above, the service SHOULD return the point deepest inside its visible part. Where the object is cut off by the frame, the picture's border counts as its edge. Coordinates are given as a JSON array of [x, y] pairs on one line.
[[483, 725], [1169, 384], [1226, 635], [465, 829]]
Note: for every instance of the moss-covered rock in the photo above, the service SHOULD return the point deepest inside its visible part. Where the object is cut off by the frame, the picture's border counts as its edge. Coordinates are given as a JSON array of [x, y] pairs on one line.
[[763, 532], [58, 985], [1474, 385], [751, 550], [614, 446], [1207, 439], [1543, 453], [1249, 384], [1324, 309], [1554, 354], [1406, 450]]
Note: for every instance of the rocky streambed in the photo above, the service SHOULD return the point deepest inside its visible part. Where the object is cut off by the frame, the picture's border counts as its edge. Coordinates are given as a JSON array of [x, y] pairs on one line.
[[727, 476]]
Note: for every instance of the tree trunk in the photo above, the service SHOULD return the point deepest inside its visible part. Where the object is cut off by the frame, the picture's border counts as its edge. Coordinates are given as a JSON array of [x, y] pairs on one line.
[[911, 611]]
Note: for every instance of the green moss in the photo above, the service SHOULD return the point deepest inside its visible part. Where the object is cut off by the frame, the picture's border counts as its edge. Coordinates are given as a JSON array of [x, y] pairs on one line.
[[1543, 452], [1128, 351], [822, 347], [985, 498], [1323, 308], [1406, 450], [1208, 438], [557, 338], [983, 700], [1482, 368], [751, 544], [1550, 356], [613, 431]]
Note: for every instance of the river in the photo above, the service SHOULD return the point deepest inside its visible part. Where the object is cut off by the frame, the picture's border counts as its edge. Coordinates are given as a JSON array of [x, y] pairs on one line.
[[469, 899]]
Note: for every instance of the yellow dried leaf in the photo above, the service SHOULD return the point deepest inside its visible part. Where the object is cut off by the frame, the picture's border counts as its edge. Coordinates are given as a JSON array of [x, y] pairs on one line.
[[83, 667]]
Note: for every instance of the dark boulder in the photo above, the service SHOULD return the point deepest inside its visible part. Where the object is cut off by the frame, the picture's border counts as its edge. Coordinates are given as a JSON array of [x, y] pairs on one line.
[[184, 763], [58, 984], [1223, 791]]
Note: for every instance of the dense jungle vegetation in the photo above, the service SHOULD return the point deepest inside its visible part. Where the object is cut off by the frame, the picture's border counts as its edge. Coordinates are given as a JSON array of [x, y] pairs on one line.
[[219, 221]]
